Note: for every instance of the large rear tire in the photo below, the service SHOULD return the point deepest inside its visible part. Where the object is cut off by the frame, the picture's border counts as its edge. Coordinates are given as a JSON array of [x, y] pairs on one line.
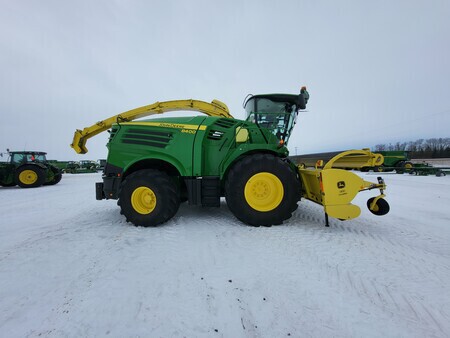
[[262, 190], [30, 176], [148, 198]]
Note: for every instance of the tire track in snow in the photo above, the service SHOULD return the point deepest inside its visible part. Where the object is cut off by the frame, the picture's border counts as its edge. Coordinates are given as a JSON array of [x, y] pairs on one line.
[[381, 241], [81, 284], [393, 301], [54, 231]]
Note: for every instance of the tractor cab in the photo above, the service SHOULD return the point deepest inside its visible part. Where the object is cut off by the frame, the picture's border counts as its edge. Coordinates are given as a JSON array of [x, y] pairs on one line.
[[23, 157], [276, 112]]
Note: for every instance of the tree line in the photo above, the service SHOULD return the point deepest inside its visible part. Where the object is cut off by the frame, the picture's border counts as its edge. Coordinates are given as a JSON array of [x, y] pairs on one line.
[[421, 148]]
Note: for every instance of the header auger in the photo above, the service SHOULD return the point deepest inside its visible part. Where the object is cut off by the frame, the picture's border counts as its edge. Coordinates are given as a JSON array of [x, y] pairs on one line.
[[156, 164]]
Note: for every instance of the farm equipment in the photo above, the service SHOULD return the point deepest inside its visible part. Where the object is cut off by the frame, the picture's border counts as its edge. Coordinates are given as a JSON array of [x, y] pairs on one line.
[[28, 169], [425, 169], [61, 165], [155, 164], [401, 163], [356, 159], [393, 160], [82, 167]]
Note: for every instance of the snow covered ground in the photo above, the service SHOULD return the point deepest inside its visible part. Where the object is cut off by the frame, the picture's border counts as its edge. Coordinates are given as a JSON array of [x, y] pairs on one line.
[[70, 266]]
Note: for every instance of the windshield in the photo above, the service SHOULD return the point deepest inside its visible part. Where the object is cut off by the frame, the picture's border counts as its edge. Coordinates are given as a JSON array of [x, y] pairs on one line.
[[277, 116], [19, 158]]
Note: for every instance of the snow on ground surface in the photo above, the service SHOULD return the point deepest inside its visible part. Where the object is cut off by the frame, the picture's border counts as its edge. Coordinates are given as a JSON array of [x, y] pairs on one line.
[[70, 266]]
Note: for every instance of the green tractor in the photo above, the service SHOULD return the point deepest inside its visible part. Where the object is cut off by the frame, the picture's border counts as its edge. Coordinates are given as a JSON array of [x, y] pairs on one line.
[[28, 169], [154, 165]]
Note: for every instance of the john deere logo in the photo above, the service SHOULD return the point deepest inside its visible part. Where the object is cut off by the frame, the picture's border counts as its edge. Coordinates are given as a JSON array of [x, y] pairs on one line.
[[341, 185]]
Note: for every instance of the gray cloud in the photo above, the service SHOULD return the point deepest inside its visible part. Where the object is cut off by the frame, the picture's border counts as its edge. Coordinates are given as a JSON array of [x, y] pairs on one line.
[[377, 71]]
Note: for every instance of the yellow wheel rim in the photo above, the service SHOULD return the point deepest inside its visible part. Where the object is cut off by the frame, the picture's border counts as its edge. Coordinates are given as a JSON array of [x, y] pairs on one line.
[[264, 191], [28, 177], [408, 166], [143, 200]]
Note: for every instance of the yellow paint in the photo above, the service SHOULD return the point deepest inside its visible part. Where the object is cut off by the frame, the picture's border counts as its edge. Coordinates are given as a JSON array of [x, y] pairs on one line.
[[28, 177], [408, 165], [264, 191], [215, 108], [335, 189], [241, 135], [143, 200], [190, 127]]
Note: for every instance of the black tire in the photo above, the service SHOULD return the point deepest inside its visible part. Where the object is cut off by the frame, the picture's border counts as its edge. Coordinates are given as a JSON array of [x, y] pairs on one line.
[[440, 173], [252, 190], [8, 184], [378, 169], [30, 176], [148, 198], [57, 175], [381, 207], [56, 179]]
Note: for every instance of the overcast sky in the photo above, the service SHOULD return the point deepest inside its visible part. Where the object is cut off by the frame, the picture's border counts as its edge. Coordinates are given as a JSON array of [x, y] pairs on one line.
[[377, 71]]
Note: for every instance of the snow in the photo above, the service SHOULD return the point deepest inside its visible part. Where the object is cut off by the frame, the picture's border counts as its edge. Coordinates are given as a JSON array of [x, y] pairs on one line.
[[71, 266]]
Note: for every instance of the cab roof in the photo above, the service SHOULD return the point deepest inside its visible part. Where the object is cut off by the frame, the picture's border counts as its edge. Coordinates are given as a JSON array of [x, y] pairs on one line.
[[28, 152]]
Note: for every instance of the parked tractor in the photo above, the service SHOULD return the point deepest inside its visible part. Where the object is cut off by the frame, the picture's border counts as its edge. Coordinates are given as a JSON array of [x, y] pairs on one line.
[[154, 165], [28, 169]]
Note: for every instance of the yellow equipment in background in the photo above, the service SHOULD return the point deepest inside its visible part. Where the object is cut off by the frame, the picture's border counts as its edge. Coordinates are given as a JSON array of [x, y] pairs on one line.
[[350, 159]]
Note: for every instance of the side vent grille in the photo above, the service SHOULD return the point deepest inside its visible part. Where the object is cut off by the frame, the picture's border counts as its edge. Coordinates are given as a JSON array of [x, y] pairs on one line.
[[147, 138], [215, 135], [225, 123]]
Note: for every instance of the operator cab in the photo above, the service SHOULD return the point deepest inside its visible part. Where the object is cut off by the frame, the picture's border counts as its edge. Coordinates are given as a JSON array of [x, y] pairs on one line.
[[22, 157], [276, 112]]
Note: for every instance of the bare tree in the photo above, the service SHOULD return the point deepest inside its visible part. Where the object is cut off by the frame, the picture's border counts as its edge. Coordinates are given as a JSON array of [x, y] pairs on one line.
[[421, 148]]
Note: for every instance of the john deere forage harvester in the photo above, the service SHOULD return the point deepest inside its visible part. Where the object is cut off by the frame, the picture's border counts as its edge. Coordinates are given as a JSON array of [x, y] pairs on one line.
[[155, 164]]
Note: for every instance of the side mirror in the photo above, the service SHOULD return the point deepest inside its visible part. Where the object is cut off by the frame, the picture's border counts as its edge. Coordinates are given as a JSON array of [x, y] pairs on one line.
[[301, 104], [303, 98]]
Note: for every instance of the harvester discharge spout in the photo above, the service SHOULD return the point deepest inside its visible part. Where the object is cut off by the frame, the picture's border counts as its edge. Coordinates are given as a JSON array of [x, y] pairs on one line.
[[215, 108]]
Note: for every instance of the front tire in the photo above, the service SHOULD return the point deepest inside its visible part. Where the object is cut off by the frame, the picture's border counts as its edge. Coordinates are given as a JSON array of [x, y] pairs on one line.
[[148, 198], [381, 206], [57, 175], [262, 190]]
